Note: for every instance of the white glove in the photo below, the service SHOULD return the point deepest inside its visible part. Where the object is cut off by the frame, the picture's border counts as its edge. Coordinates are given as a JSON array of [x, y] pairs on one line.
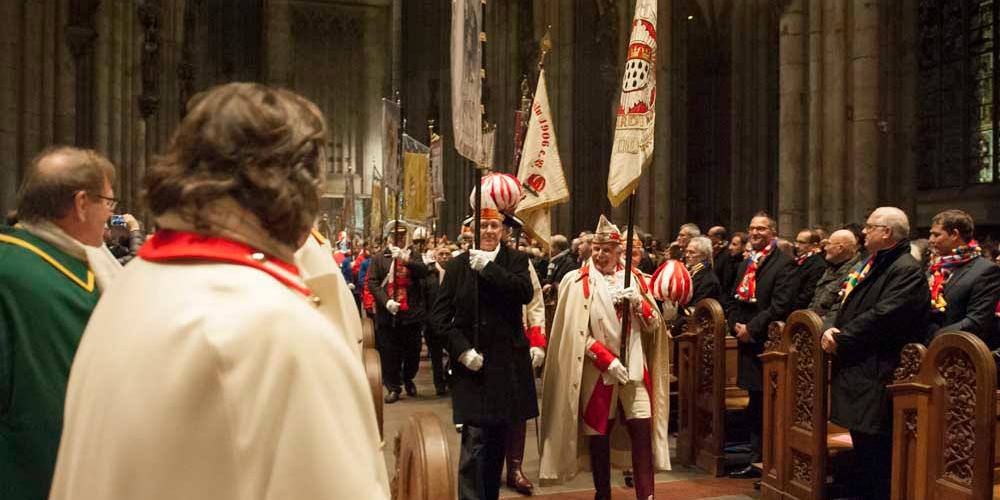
[[478, 259], [351, 287], [472, 360], [631, 294], [396, 252], [537, 356], [392, 306], [618, 372]]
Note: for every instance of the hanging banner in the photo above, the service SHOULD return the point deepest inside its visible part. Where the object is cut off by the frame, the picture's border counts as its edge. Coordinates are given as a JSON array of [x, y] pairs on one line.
[[540, 170], [466, 82], [489, 146], [416, 182], [378, 206], [635, 122], [390, 145], [437, 169]]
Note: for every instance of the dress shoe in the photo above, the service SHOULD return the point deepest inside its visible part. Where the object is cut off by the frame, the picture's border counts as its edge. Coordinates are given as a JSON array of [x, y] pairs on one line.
[[756, 485], [392, 397], [748, 472], [519, 483], [411, 388]]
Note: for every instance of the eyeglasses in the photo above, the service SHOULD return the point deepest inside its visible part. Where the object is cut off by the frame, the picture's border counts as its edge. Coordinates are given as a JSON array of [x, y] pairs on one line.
[[111, 203], [869, 227]]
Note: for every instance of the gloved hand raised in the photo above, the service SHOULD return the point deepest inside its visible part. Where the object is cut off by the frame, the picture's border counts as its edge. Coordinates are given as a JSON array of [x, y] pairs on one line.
[[478, 259]]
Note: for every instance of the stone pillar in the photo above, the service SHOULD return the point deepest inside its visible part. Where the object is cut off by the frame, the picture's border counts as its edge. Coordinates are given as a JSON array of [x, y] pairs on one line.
[[277, 43], [834, 111], [655, 195], [814, 162], [865, 136], [792, 189]]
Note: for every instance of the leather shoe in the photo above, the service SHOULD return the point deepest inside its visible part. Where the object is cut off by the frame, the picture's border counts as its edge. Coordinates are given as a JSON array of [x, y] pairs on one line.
[[411, 388], [392, 397], [756, 485], [748, 472], [519, 483]]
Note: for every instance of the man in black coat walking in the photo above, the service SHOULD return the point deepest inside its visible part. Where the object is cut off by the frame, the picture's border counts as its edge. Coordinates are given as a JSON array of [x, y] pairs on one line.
[[395, 280], [764, 291], [491, 384], [964, 286], [884, 308]]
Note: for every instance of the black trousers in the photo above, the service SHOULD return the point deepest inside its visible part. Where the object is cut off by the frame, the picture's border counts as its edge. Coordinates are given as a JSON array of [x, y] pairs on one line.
[[481, 461], [755, 419], [872, 465], [399, 347], [435, 349]]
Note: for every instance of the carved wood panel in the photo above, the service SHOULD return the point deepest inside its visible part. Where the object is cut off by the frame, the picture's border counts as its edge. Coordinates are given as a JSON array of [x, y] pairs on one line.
[[803, 385], [959, 375]]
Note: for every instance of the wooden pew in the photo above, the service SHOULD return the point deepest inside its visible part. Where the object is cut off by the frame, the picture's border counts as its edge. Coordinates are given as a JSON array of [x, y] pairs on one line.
[[423, 464], [706, 370], [944, 421], [367, 332], [799, 440]]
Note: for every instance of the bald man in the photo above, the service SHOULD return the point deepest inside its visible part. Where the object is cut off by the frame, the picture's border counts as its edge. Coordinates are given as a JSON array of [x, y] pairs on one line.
[[884, 308], [840, 254], [53, 267]]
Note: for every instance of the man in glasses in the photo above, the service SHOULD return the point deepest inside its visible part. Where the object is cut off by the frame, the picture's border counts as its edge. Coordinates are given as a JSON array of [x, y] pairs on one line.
[[53, 267]]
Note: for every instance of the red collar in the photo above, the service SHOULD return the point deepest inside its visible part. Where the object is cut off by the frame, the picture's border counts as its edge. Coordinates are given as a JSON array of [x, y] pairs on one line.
[[170, 245]]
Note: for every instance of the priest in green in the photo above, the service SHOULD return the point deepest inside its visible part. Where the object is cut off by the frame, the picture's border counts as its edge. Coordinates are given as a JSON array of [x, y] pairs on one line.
[[53, 265]]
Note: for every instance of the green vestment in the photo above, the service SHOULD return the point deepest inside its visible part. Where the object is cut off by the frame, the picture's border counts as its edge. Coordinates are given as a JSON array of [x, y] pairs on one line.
[[46, 298]]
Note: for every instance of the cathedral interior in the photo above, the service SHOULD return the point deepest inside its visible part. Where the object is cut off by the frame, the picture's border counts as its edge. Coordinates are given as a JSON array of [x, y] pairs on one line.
[[816, 111]]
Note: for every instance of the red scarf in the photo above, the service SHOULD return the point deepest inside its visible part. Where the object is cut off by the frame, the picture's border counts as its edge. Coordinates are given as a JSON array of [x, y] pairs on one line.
[[747, 290], [400, 277], [802, 258], [941, 269]]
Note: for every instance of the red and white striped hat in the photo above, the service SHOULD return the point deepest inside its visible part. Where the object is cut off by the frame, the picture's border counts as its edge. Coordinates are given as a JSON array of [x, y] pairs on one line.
[[500, 192], [672, 282]]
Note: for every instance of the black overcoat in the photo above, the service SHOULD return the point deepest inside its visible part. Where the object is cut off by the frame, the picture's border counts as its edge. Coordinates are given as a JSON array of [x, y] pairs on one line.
[[884, 312], [378, 270], [777, 285], [503, 391], [809, 272], [971, 295]]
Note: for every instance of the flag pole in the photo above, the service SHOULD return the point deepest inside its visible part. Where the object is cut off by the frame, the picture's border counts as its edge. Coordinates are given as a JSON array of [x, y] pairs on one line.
[[477, 221], [626, 315], [398, 200]]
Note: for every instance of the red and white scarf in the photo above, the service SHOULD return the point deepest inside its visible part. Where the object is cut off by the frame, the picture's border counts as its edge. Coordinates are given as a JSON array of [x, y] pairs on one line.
[[941, 269], [747, 290], [399, 277], [801, 259]]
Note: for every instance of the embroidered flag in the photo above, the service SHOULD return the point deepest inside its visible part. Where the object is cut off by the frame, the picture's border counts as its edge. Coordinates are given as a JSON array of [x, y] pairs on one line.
[[466, 83], [632, 148], [390, 145], [540, 170], [416, 181], [437, 168], [378, 207]]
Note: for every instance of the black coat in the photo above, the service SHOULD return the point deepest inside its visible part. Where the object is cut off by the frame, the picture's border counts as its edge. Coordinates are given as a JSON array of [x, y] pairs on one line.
[[809, 274], [503, 391], [725, 266], [705, 285], [971, 294], [560, 266], [884, 312], [378, 270], [777, 285]]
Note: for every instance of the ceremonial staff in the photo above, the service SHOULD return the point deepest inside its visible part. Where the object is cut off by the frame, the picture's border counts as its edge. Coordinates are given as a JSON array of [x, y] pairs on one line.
[[482, 164], [398, 202]]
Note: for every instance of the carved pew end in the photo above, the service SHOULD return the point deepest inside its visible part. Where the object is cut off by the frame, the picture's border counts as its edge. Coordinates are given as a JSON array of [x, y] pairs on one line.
[[423, 462]]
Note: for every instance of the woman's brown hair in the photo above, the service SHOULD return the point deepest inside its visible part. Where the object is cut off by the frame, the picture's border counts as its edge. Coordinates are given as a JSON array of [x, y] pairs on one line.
[[264, 147]]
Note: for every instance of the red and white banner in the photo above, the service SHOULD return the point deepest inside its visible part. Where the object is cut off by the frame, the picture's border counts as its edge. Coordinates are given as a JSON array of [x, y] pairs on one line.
[[540, 170], [632, 149], [466, 83]]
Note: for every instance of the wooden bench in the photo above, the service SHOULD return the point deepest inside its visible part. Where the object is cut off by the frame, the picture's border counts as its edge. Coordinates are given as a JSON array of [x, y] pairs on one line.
[[799, 440], [373, 367], [706, 371], [945, 419], [423, 464], [367, 332]]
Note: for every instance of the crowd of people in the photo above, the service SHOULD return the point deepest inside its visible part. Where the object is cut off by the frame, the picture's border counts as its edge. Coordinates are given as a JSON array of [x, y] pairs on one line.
[[220, 356]]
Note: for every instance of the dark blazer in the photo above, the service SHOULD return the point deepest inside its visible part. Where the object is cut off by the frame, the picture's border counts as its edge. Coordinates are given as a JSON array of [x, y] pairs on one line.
[[378, 269], [809, 274], [971, 293], [705, 285], [777, 285], [886, 311], [560, 267], [503, 391], [725, 266]]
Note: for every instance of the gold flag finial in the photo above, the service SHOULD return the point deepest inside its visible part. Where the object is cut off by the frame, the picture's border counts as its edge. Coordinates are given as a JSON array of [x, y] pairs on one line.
[[546, 46]]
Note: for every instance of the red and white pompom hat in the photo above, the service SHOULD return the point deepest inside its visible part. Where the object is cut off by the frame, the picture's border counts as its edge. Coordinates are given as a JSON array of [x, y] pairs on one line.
[[672, 282], [500, 195]]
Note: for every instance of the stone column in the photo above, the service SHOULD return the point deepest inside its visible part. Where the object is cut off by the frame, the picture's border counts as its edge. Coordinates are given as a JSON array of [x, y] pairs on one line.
[[834, 111], [277, 43], [10, 88], [814, 162], [865, 136], [655, 195], [793, 120]]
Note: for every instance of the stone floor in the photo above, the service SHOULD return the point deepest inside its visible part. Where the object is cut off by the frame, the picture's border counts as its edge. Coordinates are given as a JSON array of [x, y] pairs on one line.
[[681, 483]]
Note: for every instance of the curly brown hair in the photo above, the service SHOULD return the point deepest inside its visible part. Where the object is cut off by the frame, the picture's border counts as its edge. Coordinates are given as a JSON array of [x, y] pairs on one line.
[[265, 147]]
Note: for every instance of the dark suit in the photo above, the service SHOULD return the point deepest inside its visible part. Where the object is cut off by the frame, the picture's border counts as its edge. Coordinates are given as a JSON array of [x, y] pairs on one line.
[[777, 285], [435, 343], [725, 265], [971, 294], [487, 401], [705, 285], [399, 336], [809, 273], [884, 312], [559, 266]]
